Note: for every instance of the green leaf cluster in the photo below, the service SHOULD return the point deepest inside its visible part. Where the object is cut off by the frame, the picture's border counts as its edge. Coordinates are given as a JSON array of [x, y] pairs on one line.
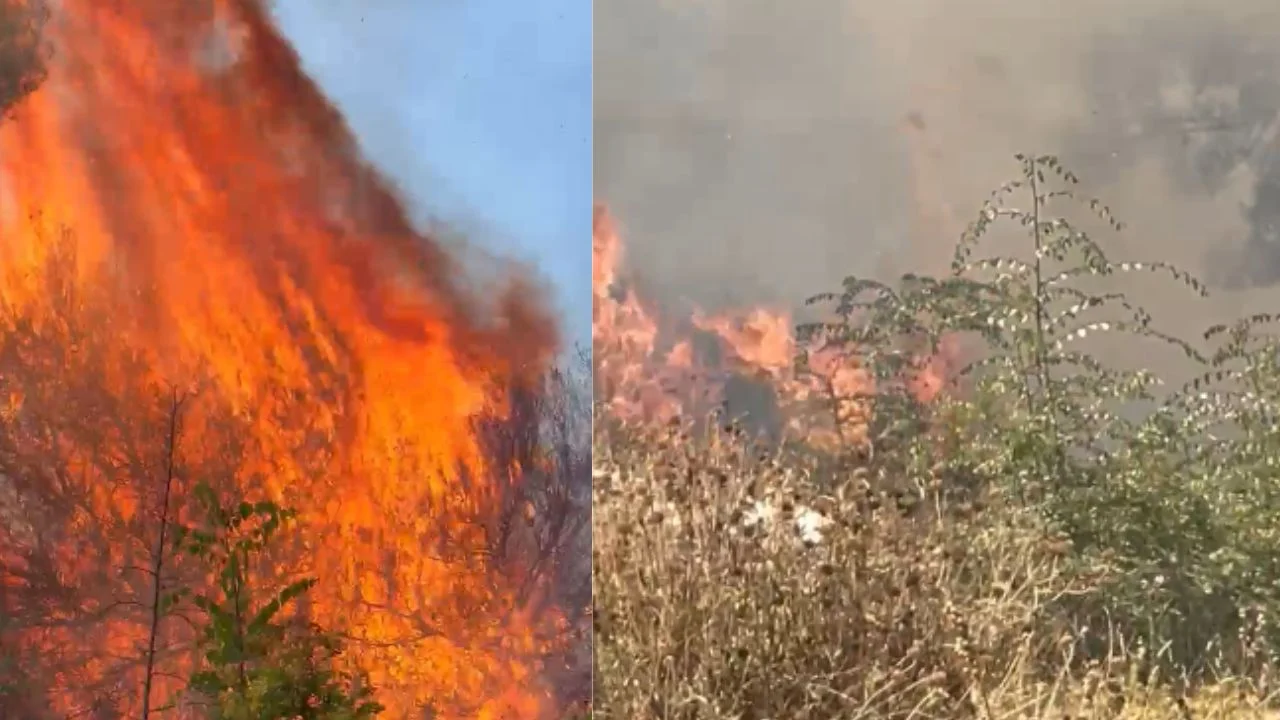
[[254, 664]]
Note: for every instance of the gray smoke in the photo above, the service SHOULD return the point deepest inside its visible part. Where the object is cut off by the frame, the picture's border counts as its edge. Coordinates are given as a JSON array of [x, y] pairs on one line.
[[743, 152], [758, 151]]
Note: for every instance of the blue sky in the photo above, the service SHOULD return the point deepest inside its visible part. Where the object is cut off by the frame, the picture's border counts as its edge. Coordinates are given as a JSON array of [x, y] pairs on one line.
[[479, 109]]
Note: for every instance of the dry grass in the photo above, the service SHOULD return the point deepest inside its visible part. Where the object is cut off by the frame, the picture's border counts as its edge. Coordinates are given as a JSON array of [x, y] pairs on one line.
[[1057, 539], [710, 605]]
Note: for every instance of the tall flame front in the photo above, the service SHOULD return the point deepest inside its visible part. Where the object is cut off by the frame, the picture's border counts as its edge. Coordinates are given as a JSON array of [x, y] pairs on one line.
[[179, 204]]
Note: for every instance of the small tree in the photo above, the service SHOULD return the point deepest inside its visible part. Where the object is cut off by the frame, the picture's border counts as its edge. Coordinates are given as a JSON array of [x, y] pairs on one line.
[[254, 666]]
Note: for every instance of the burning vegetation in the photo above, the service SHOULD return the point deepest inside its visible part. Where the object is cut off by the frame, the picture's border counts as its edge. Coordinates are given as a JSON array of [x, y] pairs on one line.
[[748, 366], [952, 507], [206, 292]]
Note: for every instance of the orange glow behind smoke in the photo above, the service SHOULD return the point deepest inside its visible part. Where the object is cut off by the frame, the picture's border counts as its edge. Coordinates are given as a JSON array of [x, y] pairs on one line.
[[223, 221], [646, 369]]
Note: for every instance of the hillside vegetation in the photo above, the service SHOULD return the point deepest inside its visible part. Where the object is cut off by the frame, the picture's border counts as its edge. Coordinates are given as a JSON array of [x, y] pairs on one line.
[[1053, 537]]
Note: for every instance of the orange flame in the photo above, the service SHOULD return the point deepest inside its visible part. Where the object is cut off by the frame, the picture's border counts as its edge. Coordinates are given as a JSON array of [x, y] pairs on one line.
[[827, 403], [220, 220]]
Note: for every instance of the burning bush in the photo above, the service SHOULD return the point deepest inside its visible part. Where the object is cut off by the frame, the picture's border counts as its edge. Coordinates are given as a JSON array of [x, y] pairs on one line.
[[202, 283], [1032, 531]]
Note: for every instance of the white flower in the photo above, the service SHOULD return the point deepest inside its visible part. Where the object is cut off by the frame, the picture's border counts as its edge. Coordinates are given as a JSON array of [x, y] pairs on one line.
[[760, 513], [810, 525]]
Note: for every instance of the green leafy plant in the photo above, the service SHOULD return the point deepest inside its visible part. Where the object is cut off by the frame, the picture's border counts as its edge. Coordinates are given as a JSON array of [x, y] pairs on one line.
[[1171, 490], [256, 666]]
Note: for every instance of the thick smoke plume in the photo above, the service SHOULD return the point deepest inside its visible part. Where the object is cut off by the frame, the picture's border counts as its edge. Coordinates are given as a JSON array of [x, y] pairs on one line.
[[756, 151]]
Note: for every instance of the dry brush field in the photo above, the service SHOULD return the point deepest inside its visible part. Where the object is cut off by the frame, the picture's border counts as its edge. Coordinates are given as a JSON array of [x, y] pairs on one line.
[[957, 510]]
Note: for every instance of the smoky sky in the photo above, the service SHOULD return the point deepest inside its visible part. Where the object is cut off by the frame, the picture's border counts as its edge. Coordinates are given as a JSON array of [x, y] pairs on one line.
[[757, 151], [728, 142]]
